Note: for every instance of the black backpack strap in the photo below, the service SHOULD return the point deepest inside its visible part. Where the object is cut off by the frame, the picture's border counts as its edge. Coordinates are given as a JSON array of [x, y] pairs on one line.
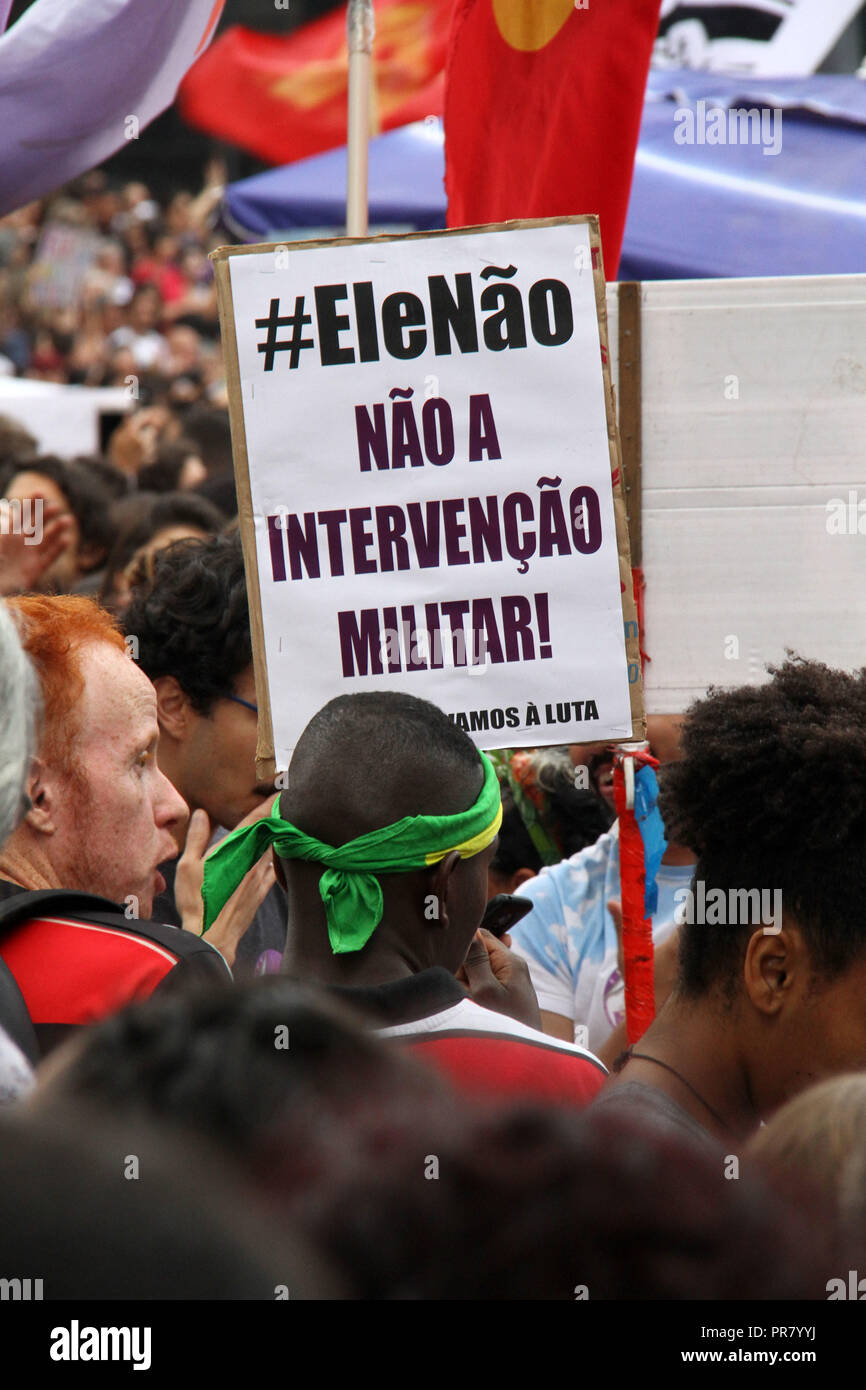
[[196, 962], [51, 902]]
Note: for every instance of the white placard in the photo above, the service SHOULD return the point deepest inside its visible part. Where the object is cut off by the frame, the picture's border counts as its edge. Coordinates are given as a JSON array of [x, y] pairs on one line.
[[754, 485], [426, 439]]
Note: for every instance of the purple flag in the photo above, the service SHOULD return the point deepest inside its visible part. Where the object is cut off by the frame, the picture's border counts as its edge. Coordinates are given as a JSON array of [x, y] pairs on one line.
[[79, 77]]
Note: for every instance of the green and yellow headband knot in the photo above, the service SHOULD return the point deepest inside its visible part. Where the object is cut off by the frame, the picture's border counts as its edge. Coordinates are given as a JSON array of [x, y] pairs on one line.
[[349, 887]]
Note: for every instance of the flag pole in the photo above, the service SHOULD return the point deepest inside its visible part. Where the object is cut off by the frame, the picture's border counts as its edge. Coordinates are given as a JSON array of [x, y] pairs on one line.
[[360, 31]]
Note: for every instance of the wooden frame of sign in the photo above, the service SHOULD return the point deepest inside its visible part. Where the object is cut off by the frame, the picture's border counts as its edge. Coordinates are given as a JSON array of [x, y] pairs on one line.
[[265, 761]]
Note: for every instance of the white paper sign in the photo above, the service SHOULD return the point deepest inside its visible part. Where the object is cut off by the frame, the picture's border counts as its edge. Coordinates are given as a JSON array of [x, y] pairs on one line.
[[430, 475]]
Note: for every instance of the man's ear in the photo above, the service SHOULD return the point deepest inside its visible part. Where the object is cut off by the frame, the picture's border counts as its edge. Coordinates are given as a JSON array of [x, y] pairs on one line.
[[42, 792], [173, 708], [438, 884], [775, 967]]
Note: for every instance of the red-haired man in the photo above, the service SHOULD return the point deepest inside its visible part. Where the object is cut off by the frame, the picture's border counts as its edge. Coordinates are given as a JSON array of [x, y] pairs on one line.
[[101, 817]]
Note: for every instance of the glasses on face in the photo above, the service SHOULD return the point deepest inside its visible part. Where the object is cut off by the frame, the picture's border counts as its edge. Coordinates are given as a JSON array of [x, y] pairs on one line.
[[246, 703]]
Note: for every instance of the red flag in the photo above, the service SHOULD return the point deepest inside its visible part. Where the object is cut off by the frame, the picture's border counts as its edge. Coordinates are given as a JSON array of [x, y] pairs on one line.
[[543, 104], [285, 98]]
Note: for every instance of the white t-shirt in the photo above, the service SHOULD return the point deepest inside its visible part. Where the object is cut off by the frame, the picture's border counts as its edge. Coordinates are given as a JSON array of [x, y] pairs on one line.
[[16, 1073], [569, 940]]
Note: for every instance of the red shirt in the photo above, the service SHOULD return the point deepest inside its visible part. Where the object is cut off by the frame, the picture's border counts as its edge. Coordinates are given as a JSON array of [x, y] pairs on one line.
[[482, 1052], [76, 958]]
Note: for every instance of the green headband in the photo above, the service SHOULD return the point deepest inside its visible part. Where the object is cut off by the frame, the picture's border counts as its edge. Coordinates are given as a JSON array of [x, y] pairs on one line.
[[349, 887]]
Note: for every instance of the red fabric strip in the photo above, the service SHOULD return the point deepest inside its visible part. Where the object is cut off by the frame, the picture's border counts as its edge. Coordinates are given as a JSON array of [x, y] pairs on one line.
[[637, 940]]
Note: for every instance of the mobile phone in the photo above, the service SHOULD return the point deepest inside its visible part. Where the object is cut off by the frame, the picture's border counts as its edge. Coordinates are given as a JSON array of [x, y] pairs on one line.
[[504, 911]]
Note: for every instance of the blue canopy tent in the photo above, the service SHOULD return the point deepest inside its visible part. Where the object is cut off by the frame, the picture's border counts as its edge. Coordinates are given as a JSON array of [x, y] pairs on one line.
[[406, 191], [697, 210]]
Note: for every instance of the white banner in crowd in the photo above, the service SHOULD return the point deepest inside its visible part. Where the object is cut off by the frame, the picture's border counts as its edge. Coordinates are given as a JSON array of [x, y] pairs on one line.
[[769, 38], [424, 461]]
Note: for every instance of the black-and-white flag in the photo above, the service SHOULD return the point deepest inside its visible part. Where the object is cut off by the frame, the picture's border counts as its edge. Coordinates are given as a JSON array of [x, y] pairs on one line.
[[778, 38]]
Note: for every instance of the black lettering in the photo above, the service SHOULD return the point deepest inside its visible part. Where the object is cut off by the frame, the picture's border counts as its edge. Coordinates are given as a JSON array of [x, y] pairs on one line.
[[331, 325], [365, 313], [553, 322], [401, 311], [507, 327], [447, 313]]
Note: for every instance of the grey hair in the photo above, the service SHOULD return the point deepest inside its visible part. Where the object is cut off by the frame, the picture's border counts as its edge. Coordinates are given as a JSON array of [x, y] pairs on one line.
[[19, 711], [553, 768]]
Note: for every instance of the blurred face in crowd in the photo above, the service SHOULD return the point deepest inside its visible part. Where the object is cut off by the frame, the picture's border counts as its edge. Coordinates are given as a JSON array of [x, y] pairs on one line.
[[141, 562], [111, 259], [185, 347], [144, 311], [107, 825], [166, 248], [211, 758], [177, 217], [192, 473], [75, 559], [663, 734], [135, 193]]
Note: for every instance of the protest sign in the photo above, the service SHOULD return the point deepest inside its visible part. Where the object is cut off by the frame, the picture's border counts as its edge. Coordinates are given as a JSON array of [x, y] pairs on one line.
[[63, 257], [428, 481], [754, 509]]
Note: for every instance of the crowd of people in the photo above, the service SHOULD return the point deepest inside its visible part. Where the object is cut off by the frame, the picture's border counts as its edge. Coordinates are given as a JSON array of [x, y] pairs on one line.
[[104, 286], [291, 990]]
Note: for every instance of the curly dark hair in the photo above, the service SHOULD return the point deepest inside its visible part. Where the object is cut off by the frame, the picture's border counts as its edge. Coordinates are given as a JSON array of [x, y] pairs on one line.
[[192, 621], [771, 793]]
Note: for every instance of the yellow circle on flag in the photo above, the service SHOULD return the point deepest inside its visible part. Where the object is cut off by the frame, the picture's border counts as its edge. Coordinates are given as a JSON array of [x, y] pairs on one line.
[[530, 24]]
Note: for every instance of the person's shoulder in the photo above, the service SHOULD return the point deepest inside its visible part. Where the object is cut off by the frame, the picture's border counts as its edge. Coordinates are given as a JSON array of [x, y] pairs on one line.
[[564, 894], [487, 1053], [585, 862], [588, 860], [486, 1021], [635, 1100], [73, 914], [471, 1020]]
